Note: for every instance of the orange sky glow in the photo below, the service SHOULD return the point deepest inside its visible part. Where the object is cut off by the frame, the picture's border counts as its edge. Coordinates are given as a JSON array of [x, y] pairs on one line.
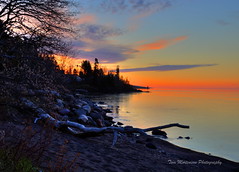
[[171, 79]]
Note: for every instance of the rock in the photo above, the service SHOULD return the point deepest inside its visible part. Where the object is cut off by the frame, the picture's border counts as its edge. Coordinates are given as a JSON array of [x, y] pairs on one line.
[[90, 103], [128, 127], [97, 118], [78, 95], [108, 111], [159, 133], [83, 118], [180, 137], [64, 111], [78, 79], [55, 93], [97, 108], [108, 118], [68, 97], [151, 146], [56, 107], [65, 118], [187, 137], [120, 123], [108, 123], [60, 103], [80, 112], [87, 108]]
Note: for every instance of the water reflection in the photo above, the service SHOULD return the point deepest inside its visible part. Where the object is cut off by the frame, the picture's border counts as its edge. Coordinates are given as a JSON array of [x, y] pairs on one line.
[[212, 115]]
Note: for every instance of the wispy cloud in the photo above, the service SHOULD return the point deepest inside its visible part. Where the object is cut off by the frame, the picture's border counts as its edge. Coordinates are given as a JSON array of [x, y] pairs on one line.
[[108, 54], [120, 6], [84, 19], [166, 67], [161, 43], [223, 22], [98, 32], [94, 42]]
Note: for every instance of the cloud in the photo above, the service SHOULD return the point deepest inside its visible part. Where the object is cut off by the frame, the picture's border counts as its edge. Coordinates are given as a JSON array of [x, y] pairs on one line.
[[93, 43], [146, 8], [223, 22], [98, 32], [166, 68], [161, 43], [106, 53], [138, 6], [84, 19]]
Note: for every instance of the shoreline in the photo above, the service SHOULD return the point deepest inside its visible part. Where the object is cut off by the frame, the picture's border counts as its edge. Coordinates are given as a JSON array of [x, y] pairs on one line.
[[128, 154], [94, 152]]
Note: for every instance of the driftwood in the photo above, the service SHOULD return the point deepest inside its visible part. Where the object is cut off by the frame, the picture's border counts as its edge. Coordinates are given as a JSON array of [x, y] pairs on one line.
[[77, 128]]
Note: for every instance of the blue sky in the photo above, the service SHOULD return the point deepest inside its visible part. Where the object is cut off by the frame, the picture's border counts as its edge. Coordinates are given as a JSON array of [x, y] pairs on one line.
[[146, 33]]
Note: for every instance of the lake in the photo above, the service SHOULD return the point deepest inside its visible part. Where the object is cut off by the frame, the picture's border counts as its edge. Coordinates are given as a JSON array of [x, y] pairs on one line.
[[212, 115]]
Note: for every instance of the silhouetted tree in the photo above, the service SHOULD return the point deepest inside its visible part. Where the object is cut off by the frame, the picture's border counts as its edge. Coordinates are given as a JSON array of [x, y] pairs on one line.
[[41, 21], [117, 71], [86, 68], [75, 72]]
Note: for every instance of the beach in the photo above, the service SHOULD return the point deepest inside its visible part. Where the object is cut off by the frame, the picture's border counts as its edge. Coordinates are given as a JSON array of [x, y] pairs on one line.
[[128, 154]]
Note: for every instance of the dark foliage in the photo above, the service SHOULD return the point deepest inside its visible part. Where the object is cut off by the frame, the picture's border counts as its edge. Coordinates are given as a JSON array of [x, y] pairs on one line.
[[98, 81]]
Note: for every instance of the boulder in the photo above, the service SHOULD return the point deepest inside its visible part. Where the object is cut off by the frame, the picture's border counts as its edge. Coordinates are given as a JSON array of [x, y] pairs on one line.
[[80, 112], [83, 118], [120, 123], [159, 133], [87, 108], [99, 120], [64, 111]]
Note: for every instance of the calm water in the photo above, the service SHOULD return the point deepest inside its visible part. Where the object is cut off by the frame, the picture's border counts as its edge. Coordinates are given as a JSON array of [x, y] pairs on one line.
[[212, 115]]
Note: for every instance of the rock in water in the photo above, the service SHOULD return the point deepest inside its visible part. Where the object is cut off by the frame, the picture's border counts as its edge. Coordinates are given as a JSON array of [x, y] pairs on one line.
[[120, 123], [159, 133]]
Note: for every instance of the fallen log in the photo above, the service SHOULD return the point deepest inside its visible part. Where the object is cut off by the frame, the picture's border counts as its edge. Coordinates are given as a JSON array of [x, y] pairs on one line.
[[71, 126]]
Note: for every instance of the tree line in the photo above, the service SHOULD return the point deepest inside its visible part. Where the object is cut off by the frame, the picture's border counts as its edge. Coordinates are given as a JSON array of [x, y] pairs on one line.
[[98, 79]]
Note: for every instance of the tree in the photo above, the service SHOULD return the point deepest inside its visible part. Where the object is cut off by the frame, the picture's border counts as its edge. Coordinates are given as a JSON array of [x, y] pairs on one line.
[[86, 68], [117, 71], [43, 22]]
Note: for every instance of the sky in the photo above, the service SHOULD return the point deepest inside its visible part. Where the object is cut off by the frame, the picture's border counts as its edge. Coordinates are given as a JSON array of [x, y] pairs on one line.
[[162, 43]]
